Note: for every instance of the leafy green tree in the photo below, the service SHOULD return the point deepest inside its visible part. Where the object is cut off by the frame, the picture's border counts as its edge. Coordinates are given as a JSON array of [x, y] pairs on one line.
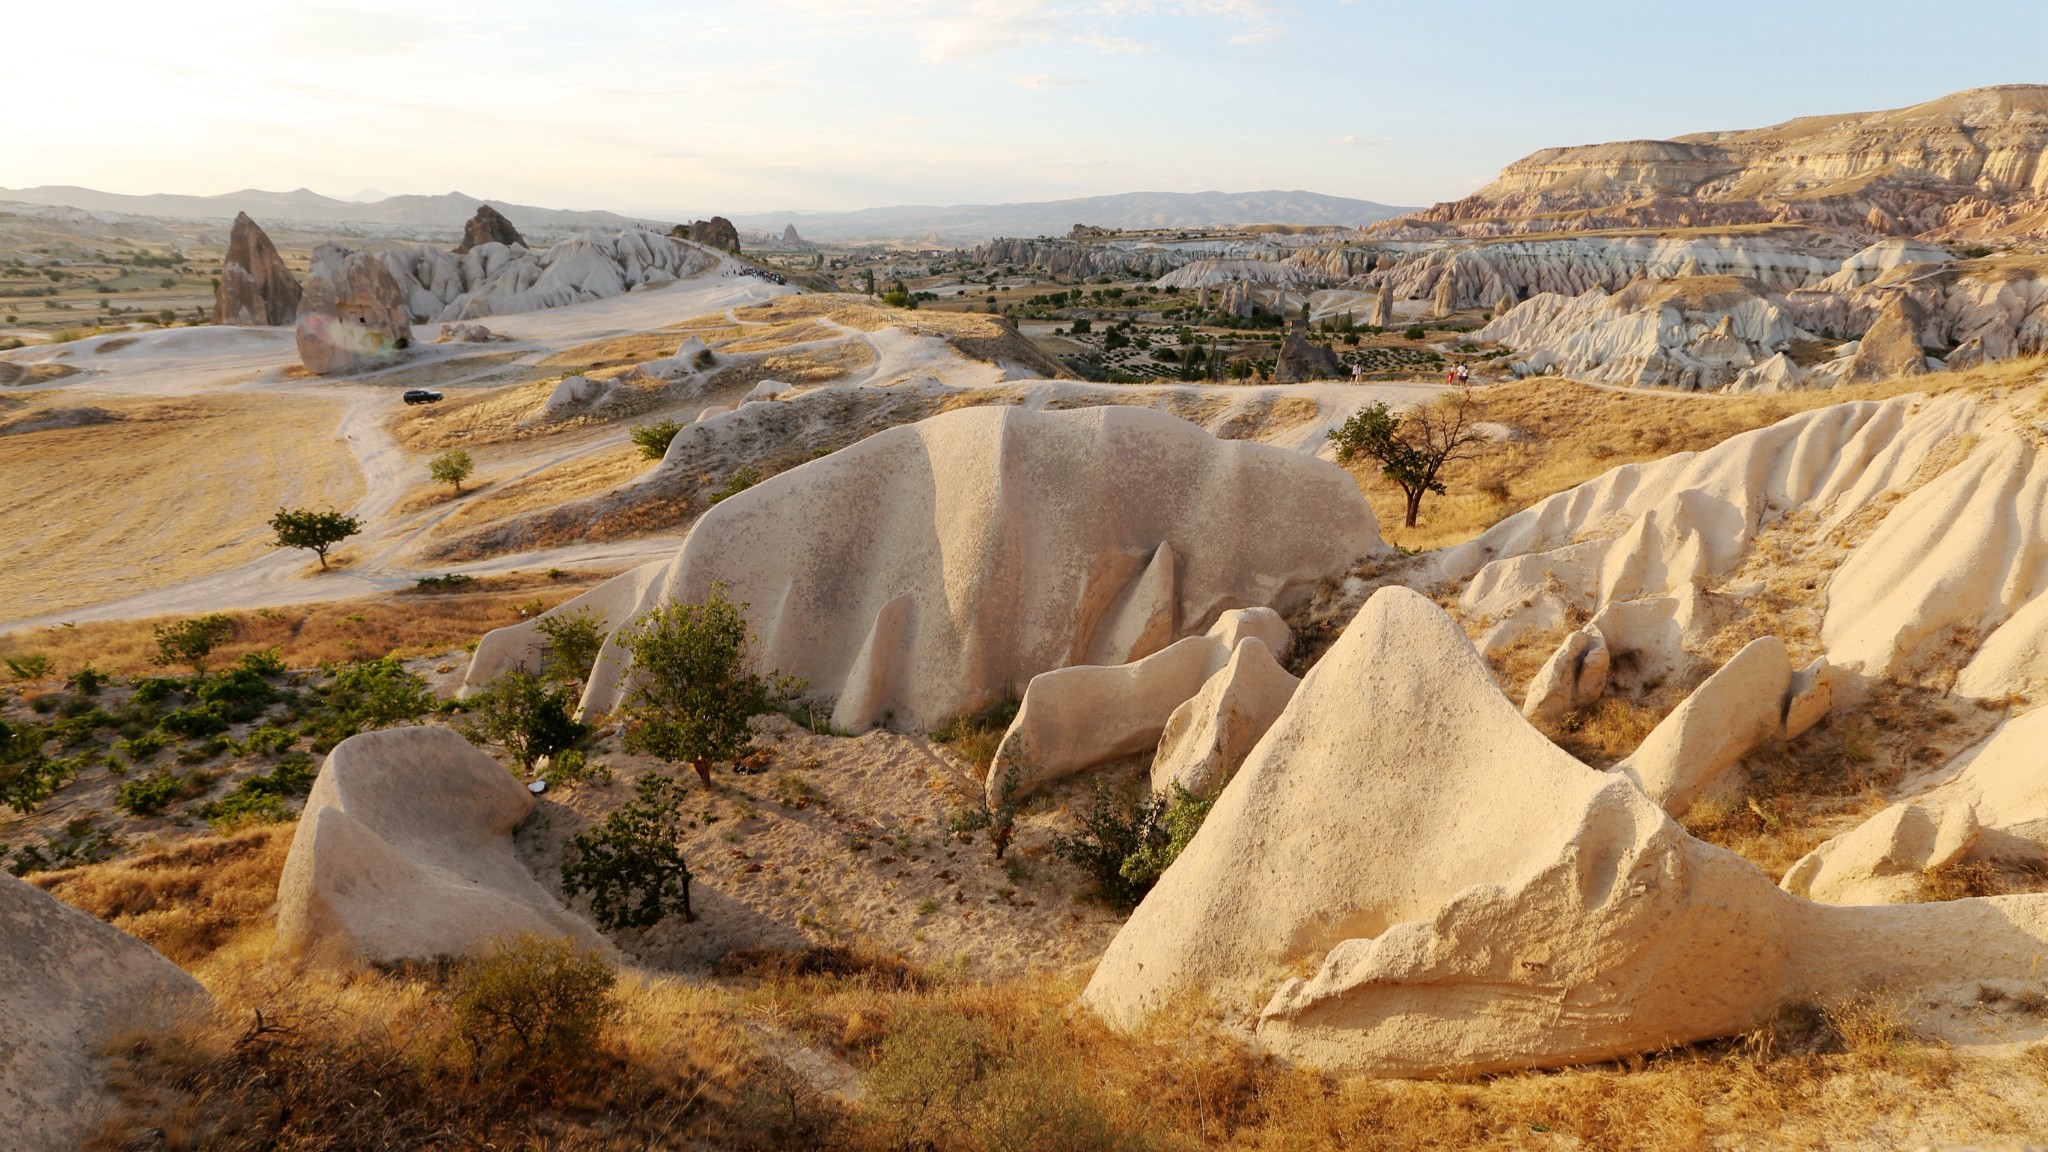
[[1411, 447], [191, 642], [653, 438], [632, 865], [574, 640], [694, 697], [317, 531], [525, 715], [451, 467]]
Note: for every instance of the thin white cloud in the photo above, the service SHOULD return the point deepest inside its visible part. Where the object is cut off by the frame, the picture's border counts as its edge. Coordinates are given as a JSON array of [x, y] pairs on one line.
[[949, 30], [1350, 139]]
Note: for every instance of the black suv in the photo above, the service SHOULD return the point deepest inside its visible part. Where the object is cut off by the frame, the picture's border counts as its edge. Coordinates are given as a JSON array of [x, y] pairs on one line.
[[421, 396]]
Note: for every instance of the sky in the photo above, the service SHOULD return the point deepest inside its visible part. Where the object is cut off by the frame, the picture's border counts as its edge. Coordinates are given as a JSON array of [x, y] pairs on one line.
[[682, 109]]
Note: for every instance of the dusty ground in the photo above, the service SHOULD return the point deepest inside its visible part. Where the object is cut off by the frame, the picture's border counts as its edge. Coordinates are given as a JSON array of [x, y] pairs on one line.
[[169, 492]]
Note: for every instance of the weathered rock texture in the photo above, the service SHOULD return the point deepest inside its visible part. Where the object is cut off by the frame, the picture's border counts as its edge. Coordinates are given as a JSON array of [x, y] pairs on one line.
[[492, 278], [716, 232], [352, 316], [1469, 898], [1695, 333], [1211, 733], [1087, 714], [489, 226], [255, 286], [1966, 164], [1302, 359], [404, 852], [933, 568], [68, 982]]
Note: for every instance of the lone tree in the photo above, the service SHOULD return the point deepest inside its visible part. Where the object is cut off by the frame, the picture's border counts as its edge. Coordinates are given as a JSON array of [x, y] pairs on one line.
[[451, 467], [694, 696], [319, 531], [1413, 446], [191, 642], [525, 715]]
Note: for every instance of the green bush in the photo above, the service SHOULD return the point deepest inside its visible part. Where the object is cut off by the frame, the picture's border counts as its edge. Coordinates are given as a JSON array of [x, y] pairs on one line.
[[140, 748], [195, 722], [87, 681], [157, 791], [532, 1005], [29, 665], [269, 741], [654, 438], [452, 582], [742, 478], [524, 715], [373, 694], [1413, 332], [261, 799], [574, 640], [631, 864], [191, 642], [1125, 844]]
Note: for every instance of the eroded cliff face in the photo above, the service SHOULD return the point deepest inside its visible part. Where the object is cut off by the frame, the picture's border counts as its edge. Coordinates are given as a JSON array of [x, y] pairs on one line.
[[1965, 164]]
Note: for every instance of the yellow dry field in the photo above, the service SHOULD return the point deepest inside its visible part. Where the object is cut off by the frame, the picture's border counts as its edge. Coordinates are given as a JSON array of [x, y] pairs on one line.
[[586, 475], [172, 492]]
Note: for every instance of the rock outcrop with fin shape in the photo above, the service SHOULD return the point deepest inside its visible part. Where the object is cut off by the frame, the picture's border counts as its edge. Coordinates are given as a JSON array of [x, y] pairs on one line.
[[255, 286], [934, 568], [1087, 714], [1469, 898], [68, 982], [352, 315], [489, 226], [404, 852]]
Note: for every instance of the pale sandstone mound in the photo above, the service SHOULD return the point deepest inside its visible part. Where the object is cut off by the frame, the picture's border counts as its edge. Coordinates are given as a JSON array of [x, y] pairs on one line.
[[494, 278], [1662, 528], [1990, 803], [1574, 676], [352, 315], [489, 226], [405, 853], [1695, 333], [1752, 700], [1891, 347], [933, 568], [68, 982], [1208, 737], [1077, 717], [255, 286], [1470, 898]]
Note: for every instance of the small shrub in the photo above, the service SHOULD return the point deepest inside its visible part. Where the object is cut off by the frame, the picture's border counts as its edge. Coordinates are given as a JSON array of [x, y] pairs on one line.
[[373, 694], [157, 791], [87, 681], [191, 642], [269, 741], [452, 582], [654, 438], [533, 1003], [29, 666], [193, 723], [631, 864], [525, 716], [1413, 332], [140, 748], [1125, 845], [574, 766], [742, 478]]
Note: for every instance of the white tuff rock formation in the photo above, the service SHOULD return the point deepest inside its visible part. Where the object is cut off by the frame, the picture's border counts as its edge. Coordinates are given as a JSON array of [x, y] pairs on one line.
[[929, 569], [68, 982], [404, 852], [1469, 898], [493, 278]]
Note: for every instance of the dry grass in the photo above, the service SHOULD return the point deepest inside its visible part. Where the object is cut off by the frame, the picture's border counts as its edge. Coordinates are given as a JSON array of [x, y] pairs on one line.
[[764, 1056], [172, 492], [186, 902], [1566, 433], [593, 472], [406, 623]]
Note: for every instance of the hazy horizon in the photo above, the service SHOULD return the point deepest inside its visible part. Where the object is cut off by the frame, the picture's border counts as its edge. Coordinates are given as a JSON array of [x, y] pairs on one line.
[[809, 106]]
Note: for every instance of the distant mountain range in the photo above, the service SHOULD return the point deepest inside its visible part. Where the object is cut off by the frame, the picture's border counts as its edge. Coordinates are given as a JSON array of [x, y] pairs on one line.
[[303, 206], [970, 223], [955, 224]]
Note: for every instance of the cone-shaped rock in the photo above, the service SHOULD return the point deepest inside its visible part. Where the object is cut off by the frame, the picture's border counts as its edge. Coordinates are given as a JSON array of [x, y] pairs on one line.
[[489, 226], [255, 286]]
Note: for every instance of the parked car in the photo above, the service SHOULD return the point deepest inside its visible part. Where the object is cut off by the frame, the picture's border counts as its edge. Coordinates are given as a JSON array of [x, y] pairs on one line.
[[421, 396]]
